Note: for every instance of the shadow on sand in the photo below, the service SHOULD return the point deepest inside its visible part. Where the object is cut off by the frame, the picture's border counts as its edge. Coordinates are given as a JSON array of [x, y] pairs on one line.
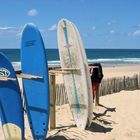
[[57, 136], [99, 125], [104, 113], [95, 127], [102, 123]]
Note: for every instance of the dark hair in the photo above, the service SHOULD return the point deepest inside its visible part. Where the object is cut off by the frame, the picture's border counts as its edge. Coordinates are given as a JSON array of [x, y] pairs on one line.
[[97, 73]]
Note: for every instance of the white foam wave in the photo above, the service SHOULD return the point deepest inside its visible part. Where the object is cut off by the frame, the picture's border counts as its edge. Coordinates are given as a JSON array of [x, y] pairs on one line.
[[121, 60], [56, 63]]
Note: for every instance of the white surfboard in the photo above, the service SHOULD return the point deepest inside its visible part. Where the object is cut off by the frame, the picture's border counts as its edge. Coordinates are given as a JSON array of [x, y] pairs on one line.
[[71, 57], [90, 96]]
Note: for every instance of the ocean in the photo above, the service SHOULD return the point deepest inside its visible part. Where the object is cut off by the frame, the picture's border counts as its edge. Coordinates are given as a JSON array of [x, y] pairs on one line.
[[107, 57]]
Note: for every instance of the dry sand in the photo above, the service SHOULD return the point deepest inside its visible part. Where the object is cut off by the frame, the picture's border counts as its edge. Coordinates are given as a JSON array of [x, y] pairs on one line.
[[120, 71], [117, 118], [110, 72]]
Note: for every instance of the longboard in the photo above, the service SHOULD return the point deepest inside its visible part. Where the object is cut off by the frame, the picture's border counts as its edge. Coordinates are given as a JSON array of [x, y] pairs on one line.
[[36, 87], [75, 82], [11, 110], [90, 95]]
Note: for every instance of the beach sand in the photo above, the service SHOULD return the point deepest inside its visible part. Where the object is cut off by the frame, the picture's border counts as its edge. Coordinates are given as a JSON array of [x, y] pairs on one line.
[[110, 72], [117, 117], [120, 71]]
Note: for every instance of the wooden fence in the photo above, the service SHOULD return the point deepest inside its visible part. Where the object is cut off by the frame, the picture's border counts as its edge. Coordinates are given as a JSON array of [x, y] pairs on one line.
[[108, 86]]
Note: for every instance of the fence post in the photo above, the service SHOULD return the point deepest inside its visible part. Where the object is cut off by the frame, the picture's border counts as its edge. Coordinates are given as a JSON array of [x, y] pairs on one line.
[[138, 81], [124, 83], [52, 102]]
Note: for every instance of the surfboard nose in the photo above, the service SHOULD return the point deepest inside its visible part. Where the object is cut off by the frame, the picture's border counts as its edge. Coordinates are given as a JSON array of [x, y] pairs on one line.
[[28, 27]]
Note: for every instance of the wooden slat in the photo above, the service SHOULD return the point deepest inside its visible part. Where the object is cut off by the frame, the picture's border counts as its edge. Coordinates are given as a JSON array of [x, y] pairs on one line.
[[55, 72], [28, 76], [70, 69], [64, 71], [7, 79], [58, 72]]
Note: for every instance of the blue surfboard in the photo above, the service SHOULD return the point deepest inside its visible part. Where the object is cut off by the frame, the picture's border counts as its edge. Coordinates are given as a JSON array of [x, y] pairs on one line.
[[11, 110], [36, 90]]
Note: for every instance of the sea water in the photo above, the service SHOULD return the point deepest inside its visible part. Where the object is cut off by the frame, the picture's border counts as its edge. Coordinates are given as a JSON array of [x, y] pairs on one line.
[[107, 57]]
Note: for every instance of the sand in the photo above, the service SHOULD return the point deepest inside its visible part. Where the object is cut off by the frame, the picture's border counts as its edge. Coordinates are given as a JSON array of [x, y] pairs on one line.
[[117, 117], [110, 72], [120, 71]]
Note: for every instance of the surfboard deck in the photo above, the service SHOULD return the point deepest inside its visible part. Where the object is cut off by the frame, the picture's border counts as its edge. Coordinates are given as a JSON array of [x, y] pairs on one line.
[[75, 83], [90, 95], [36, 90], [11, 110]]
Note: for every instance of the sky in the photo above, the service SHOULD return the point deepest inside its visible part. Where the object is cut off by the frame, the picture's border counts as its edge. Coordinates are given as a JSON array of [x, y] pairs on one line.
[[103, 24]]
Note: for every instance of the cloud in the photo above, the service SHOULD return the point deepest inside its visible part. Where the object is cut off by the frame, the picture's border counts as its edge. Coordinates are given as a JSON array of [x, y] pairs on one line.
[[16, 31], [93, 28], [53, 28], [136, 33], [7, 29], [32, 13], [112, 32], [109, 23]]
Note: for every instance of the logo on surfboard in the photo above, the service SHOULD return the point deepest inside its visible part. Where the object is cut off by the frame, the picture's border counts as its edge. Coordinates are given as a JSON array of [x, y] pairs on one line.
[[30, 43], [4, 72]]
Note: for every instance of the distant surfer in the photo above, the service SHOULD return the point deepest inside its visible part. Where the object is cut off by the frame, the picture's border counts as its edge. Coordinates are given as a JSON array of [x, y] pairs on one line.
[[96, 74]]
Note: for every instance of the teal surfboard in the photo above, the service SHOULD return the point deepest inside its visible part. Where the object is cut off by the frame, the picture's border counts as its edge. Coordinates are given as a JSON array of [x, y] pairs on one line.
[[36, 90], [11, 110]]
